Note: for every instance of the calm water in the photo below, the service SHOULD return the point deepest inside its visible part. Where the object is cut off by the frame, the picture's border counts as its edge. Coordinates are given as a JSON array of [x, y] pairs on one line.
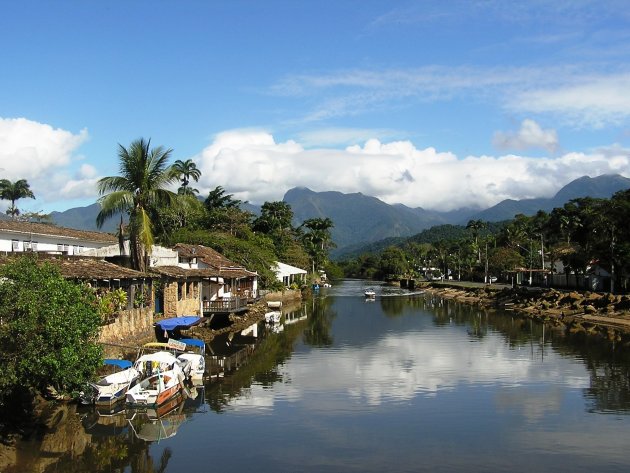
[[404, 383]]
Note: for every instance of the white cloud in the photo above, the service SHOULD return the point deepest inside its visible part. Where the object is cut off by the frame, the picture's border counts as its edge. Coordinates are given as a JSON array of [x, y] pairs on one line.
[[529, 136], [42, 155], [254, 167], [29, 149], [574, 95], [592, 101]]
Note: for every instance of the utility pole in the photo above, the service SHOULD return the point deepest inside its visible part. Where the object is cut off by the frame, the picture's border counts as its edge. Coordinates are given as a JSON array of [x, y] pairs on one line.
[[486, 276], [542, 255]]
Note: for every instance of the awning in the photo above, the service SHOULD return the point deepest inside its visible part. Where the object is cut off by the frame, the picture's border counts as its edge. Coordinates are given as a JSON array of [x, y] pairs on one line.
[[178, 322]]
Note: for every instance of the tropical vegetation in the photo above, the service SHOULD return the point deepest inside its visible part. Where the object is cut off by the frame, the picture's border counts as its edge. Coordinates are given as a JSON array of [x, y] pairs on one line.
[[156, 214], [583, 233], [48, 332], [139, 191], [13, 191]]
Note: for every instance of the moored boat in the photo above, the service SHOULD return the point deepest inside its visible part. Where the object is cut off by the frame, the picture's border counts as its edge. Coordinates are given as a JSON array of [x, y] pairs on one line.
[[193, 361], [113, 387], [163, 379]]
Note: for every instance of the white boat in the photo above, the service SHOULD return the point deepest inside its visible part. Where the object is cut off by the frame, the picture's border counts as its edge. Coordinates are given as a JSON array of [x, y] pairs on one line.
[[193, 361], [190, 353], [111, 388], [163, 378], [370, 294], [273, 317]]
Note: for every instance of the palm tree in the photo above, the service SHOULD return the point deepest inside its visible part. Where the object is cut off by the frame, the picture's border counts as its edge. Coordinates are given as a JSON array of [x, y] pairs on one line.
[[139, 190], [14, 191], [318, 239], [186, 170], [475, 226]]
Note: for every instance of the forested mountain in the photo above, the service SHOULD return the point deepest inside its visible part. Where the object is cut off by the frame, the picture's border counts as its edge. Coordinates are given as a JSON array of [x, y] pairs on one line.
[[603, 186], [363, 220], [359, 218]]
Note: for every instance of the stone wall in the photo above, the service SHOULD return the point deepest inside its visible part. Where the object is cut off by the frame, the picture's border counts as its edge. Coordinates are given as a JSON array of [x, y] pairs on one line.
[[189, 304], [287, 295], [132, 323]]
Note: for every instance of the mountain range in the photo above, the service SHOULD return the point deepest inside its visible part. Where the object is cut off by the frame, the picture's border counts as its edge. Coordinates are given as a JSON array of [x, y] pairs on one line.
[[361, 219]]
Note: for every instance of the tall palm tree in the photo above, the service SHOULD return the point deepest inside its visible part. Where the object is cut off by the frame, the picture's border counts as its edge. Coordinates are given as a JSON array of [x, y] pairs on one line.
[[318, 239], [14, 191], [187, 170], [139, 190]]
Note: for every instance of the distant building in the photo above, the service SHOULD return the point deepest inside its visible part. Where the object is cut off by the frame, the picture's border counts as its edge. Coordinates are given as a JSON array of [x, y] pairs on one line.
[[16, 237], [288, 274]]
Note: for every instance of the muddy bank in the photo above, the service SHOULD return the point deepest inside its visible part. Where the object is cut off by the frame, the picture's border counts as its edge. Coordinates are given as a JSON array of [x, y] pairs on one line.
[[601, 315]]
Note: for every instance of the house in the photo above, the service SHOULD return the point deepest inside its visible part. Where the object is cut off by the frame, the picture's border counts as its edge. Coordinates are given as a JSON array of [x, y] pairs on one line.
[[16, 236], [288, 274], [193, 280], [226, 286]]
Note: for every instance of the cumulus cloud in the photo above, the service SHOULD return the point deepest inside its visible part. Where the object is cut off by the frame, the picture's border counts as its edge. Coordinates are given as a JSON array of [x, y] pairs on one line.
[[529, 136], [30, 149], [253, 166], [42, 155]]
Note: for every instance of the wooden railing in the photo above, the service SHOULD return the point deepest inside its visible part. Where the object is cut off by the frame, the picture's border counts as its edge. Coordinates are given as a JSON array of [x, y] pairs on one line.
[[231, 304]]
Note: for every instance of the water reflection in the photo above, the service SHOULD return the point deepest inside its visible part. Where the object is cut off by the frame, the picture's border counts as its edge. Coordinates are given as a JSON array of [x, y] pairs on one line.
[[347, 385]]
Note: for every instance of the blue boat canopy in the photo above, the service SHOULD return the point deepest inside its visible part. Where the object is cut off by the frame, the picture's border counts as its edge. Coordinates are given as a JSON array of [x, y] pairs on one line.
[[122, 364], [194, 342], [175, 322]]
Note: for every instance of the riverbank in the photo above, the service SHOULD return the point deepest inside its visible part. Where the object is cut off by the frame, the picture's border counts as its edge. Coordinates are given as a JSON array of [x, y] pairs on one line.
[[600, 315]]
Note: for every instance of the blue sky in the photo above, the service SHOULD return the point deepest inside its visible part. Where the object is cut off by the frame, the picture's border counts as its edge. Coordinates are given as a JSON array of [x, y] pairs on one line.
[[434, 104]]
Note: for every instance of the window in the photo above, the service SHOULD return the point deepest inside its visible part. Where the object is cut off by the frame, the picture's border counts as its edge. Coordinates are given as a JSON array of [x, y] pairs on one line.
[[15, 245], [26, 245], [34, 246], [59, 247], [180, 290]]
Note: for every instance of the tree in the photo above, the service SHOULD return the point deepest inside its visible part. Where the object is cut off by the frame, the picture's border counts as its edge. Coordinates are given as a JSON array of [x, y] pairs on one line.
[[475, 227], [317, 240], [393, 262], [274, 216], [49, 330], [14, 191], [218, 199], [140, 190], [186, 170], [224, 212]]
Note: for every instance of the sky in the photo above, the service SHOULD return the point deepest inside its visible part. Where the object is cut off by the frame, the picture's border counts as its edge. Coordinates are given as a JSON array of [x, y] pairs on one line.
[[429, 103]]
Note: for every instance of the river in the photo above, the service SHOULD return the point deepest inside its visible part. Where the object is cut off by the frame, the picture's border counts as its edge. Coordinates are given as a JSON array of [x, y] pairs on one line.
[[405, 383]]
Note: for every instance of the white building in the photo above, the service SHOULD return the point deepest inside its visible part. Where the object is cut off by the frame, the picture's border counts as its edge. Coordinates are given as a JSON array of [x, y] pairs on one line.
[[288, 274], [18, 237]]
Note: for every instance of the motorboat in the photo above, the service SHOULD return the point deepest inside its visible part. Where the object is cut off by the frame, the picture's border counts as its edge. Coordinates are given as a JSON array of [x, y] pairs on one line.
[[113, 387], [190, 353], [163, 378], [193, 360], [370, 294]]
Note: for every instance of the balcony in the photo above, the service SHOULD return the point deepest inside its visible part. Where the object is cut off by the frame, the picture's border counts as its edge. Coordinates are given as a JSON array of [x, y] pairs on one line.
[[226, 305]]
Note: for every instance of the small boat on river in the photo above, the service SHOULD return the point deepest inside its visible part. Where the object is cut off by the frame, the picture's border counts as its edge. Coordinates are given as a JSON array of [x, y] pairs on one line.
[[163, 379], [370, 294], [193, 360], [113, 387]]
